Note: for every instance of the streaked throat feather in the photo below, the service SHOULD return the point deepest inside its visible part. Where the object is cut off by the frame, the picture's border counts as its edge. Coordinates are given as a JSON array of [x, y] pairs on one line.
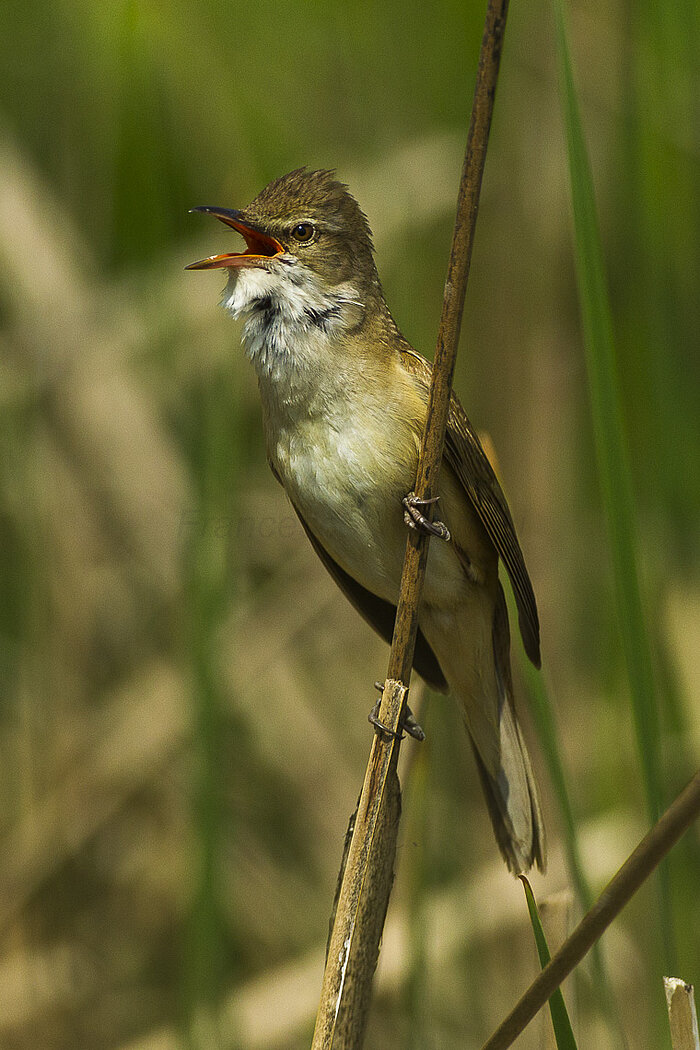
[[290, 317]]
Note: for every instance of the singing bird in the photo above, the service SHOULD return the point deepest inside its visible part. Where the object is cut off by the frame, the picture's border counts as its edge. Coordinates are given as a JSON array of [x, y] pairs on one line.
[[344, 399]]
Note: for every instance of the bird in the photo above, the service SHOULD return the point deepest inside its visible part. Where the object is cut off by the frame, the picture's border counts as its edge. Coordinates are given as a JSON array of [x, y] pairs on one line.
[[344, 400]]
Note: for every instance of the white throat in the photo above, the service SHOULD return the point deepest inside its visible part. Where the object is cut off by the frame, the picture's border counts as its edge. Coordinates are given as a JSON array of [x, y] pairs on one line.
[[291, 318]]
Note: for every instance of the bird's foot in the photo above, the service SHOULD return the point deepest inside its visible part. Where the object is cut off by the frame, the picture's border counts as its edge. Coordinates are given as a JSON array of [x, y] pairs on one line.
[[373, 718], [415, 519], [411, 726], [408, 724]]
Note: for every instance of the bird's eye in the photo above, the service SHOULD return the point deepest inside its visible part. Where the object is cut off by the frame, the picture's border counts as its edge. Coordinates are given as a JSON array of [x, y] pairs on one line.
[[303, 232]]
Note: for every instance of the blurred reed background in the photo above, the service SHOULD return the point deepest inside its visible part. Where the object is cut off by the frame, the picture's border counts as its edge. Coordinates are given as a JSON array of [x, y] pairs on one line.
[[183, 723]]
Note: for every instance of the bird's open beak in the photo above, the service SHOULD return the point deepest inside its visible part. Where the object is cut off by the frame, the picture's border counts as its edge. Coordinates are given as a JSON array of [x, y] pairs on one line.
[[260, 246]]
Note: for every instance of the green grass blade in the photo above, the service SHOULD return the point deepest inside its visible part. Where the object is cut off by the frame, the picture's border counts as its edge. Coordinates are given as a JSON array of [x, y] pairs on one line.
[[214, 456], [541, 708], [615, 482], [543, 712], [563, 1032]]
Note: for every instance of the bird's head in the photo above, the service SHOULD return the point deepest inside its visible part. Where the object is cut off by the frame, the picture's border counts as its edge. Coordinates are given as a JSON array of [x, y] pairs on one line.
[[306, 280], [305, 220]]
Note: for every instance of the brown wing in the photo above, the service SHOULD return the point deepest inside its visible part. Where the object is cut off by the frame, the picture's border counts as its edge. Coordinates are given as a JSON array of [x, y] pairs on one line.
[[468, 460], [379, 614]]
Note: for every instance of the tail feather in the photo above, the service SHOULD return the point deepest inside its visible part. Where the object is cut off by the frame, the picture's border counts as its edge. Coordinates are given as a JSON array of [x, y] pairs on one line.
[[511, 791], [473, 650], [513, 805]]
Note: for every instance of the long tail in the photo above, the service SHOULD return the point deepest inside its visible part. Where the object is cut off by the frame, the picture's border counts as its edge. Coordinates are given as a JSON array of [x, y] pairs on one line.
[[511, 791], [472, 645]]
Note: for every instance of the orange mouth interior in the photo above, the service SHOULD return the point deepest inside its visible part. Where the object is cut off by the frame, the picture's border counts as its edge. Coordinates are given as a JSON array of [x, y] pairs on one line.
[[259, 246]]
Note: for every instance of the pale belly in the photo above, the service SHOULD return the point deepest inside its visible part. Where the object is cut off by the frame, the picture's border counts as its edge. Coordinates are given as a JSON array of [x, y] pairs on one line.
[[356, 517]]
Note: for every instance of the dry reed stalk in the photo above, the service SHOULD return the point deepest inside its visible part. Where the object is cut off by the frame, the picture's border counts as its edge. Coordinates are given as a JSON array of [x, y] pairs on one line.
[[366, 880], [655, 845], [682, 1016]]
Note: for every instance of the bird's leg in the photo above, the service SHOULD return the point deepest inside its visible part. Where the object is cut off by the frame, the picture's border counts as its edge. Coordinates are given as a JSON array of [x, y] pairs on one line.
[[416, 520], [408, 723]]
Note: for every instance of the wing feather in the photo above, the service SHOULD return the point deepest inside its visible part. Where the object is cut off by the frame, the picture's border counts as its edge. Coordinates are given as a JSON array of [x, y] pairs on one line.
[[466, 457]]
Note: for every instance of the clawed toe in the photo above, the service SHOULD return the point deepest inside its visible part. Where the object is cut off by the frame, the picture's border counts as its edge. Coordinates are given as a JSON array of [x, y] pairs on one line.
[[373, 719], [415, 519], [409, 724]]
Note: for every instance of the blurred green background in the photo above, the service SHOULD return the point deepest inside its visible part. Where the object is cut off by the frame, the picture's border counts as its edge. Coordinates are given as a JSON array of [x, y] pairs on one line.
[[183, 721]]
